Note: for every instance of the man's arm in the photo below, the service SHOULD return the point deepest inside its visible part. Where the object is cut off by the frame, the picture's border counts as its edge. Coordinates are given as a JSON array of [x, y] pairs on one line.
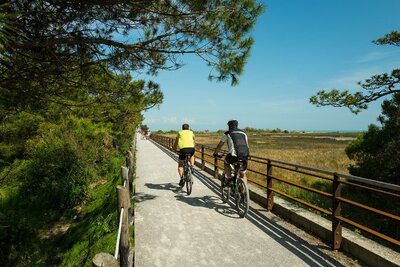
[[219, 146]]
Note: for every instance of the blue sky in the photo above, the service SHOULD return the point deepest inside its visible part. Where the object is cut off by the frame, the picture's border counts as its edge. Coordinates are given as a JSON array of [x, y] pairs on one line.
[[300, 47]]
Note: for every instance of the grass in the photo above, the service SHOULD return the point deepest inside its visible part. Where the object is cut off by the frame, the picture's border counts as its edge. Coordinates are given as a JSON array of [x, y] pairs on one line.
[[96, 230], [310, 149]]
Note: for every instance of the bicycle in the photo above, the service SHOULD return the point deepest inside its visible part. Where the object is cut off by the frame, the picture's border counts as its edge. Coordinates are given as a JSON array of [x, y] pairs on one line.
[[237, 188], [187, 174]]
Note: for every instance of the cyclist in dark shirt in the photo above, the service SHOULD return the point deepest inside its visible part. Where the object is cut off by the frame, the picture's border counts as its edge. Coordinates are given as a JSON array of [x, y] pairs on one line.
[[238, 148]]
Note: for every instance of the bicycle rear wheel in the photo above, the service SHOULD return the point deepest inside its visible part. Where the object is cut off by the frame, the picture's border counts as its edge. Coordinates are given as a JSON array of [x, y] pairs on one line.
[[242, 198], [225, 189], [189, 181]]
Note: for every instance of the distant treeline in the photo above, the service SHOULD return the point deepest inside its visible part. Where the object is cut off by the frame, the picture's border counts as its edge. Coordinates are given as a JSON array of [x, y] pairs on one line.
[[276, 130]]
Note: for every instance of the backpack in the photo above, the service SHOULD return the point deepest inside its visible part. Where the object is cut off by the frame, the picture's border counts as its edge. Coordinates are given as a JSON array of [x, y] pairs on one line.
[[240, 144]]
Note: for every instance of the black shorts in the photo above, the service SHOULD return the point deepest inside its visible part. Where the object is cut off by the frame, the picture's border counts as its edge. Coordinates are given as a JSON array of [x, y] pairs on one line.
[[184, 151], [229, 159]]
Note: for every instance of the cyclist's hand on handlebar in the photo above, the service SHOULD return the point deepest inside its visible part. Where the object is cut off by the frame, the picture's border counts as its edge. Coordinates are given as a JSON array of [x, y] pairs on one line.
[[216, 155]]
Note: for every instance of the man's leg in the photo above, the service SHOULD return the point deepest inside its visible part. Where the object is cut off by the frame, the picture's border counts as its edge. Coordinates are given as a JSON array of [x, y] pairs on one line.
[[227, 169], [242, 173], [180, 172], [180, 168], [192, 160], [243, 176]]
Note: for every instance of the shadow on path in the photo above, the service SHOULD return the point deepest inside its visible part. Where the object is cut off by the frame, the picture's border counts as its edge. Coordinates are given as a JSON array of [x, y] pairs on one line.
[[312, 255], [210, 202], [167, 186], [140, 197]]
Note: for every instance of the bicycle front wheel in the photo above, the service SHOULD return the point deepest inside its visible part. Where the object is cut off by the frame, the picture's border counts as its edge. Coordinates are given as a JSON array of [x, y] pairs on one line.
[[242, 198], [225, 189], [189, 181]]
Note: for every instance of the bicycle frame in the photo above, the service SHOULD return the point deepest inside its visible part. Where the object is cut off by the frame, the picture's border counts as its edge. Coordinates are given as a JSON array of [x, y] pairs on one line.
[[186, 162], [236, 167], [187, 173], [238, 189]]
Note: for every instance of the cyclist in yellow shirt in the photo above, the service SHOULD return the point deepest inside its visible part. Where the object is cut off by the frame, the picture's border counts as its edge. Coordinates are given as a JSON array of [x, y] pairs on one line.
[[185, 143]]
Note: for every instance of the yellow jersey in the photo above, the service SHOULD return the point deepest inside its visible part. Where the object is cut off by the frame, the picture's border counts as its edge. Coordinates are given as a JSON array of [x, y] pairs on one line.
[[185, 139]]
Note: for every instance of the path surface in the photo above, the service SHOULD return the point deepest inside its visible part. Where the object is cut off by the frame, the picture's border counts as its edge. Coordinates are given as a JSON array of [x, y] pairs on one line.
[[173, 229]]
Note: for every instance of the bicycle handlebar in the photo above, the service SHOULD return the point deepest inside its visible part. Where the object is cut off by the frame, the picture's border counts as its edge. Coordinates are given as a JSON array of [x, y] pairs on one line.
[[216, 155]]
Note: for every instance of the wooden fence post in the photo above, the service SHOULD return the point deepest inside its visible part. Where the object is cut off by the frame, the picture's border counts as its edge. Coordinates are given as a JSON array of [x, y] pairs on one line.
[[133, 151], [215, 167], [129, 160], [336, 210], [104, 259], [270, 196], [123, 202], [124, 175], [202, 158]]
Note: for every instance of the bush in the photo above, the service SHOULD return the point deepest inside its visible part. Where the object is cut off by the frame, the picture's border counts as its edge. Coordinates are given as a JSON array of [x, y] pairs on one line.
[[376, 152], [61, 162], [14, 132]]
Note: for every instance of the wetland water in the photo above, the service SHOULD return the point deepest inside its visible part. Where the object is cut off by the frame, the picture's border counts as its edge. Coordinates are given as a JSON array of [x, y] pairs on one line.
[[341, 138]]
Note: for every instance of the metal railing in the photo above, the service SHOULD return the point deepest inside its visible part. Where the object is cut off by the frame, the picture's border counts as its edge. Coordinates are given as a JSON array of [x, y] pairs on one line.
[[125, 215], [331, 200]]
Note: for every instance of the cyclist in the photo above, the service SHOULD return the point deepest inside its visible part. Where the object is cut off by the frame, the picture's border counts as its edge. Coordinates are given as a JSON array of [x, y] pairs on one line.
[[185, 142], [238, 148]]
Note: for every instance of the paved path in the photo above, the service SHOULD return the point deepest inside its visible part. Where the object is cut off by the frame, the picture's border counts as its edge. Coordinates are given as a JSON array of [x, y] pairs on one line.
[[173, 229]]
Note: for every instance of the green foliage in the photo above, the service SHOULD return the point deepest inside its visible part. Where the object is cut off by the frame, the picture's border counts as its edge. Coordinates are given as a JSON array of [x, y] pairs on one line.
[[338, 98], [217, 31], [97, 231], [376, 152], [62, 161], [14, 132], [392, 38], [7, 30], [375, 87], [93, 232], [254, 130], [55, 149], [144, 127]]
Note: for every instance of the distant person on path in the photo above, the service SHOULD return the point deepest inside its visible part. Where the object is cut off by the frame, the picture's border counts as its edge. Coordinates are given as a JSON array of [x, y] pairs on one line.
[[238, 148], [185, 143]]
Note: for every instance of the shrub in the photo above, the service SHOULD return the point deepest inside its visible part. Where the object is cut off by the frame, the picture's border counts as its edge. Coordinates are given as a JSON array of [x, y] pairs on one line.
[[376, 152], [62, 160]]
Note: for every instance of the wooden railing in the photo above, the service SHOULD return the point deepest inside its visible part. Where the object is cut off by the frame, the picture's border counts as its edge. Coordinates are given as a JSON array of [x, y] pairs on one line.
[[125, 215], [261, 172]]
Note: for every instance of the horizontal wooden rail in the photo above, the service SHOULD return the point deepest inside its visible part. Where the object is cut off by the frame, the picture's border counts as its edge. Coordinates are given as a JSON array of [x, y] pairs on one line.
[[254, 171], [371, 189], [371, 182], [379, 212], [327, 212], [257, 183], [322, 193], [302, 172], [368, 230]]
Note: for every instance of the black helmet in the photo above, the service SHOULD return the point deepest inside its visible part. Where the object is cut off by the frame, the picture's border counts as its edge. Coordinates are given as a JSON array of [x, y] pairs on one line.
[[185, 126], [233, 124]]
